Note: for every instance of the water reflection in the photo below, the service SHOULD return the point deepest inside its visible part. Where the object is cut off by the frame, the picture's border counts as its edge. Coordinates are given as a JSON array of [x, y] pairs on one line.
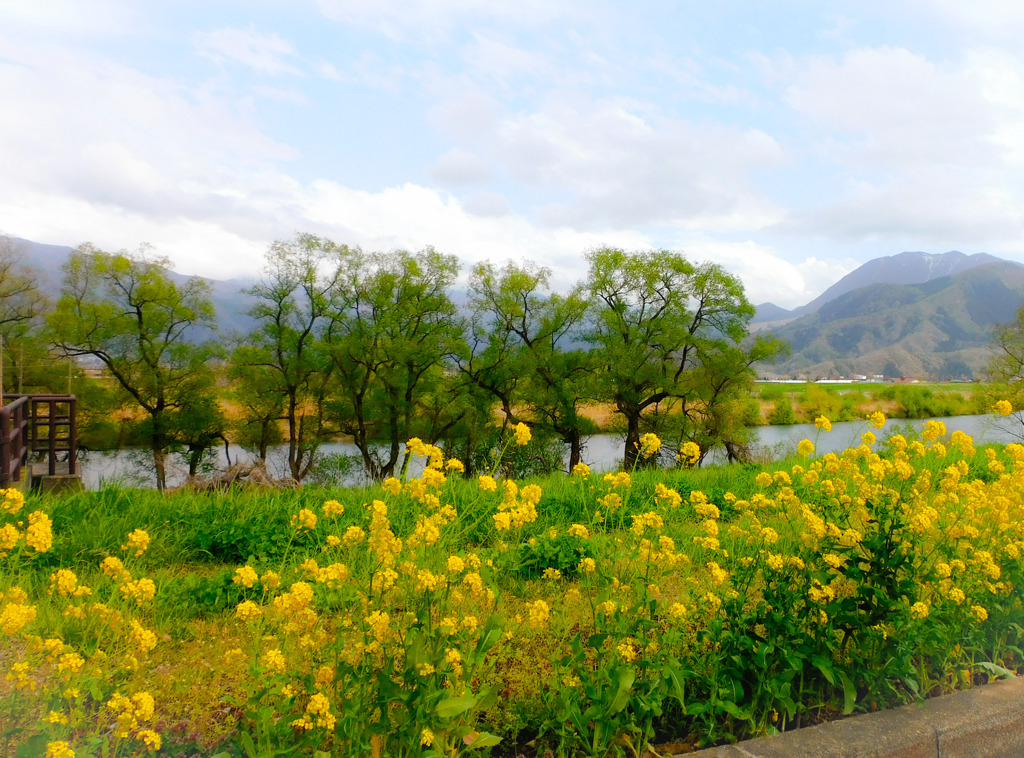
[[602, 452]]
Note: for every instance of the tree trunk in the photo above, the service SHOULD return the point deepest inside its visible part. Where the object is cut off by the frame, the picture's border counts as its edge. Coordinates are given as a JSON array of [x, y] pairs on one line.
[[632, 450], [160, 464], [158, 443], [575, 448], [294, 464]]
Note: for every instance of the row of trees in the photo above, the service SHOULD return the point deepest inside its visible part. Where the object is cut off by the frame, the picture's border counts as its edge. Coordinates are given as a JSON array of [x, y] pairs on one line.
[[373, 346]]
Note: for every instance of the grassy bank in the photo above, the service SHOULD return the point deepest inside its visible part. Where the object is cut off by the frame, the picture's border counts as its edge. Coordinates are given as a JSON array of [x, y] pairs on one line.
[[802, 403], [585, 615]]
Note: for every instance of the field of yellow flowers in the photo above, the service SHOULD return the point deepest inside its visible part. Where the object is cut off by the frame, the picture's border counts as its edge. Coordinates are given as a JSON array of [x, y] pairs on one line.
[[583, 615]]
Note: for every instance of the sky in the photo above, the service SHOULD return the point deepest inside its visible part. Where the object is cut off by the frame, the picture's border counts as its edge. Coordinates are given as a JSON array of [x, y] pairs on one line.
[[788, 141]]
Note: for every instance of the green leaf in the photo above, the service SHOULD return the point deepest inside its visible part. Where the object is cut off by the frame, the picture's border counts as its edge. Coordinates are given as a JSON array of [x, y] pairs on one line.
[[491, 634], [625, 676], [676, 685], [477, 740], [824, 665], [734, 710], [849, 693], [247, 744], [453, 706], [996, 669]]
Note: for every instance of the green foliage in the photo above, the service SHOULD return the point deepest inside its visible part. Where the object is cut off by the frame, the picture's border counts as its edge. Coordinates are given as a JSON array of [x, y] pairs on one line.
[[669, 330], [126, 312], [246, 539], [390, 326], [524, 350], [200, 595], [563, 552], [782, 414]]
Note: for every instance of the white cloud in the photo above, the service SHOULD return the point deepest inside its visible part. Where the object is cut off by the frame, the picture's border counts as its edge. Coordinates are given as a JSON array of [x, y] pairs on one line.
[[71, 17], [265, 53], [458, 168], [435, 19], [623, 164], [1003, 19], [924, 153], [891, 107], [766, 275], [491, 58], [366, 69], [487, 204]]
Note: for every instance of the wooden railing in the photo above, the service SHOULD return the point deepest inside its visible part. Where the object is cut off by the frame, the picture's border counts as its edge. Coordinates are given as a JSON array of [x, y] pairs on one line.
[[43, 425]]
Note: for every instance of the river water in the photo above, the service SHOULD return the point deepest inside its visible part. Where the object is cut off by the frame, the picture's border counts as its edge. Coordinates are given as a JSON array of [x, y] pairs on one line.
[[133, 468]]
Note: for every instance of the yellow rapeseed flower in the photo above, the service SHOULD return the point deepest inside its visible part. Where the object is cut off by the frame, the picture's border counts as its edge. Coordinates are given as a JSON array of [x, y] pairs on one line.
[[39, 535], [522, 433], [304, 519], [59, 749], [141, 591], [9, 536], [333, 509], [487, 483], [823, 423], [137, 541], [539, 613], [150, 738], [274, 660], [247, 610], [579, 530], [805, 448], [1003, 407], [649, 445], [13, 500], [245, 576], [113, 568], [689, 453]]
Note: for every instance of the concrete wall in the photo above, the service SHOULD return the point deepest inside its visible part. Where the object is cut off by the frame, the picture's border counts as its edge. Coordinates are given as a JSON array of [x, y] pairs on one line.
[[984, 722]]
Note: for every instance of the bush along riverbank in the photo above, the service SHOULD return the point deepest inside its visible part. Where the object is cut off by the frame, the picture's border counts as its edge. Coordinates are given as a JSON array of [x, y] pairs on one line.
[[582, 615]]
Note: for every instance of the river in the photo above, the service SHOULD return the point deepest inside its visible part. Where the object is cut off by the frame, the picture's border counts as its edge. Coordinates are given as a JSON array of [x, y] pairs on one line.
[[133, 468]]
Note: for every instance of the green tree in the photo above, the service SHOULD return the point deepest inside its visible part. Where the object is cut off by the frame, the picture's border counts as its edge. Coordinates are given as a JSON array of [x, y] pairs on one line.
[[391, 328], [531, 357], [197, 432], [125, 311], [21, 300], [1007, 368], [28, 364], [286, 349], [667, 329], [258, 399], [782, 414]]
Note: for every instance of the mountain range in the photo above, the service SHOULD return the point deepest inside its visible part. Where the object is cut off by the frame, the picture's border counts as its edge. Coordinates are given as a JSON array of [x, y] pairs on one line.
[[229, 299], [912, 314]]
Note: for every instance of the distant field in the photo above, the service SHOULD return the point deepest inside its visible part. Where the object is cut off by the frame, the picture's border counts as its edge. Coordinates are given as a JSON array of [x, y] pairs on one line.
[[801, 403]]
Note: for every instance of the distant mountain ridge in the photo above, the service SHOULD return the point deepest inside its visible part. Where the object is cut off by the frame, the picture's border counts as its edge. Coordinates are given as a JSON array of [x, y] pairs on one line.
[[230, 302], [903, 268], [939, 328]]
